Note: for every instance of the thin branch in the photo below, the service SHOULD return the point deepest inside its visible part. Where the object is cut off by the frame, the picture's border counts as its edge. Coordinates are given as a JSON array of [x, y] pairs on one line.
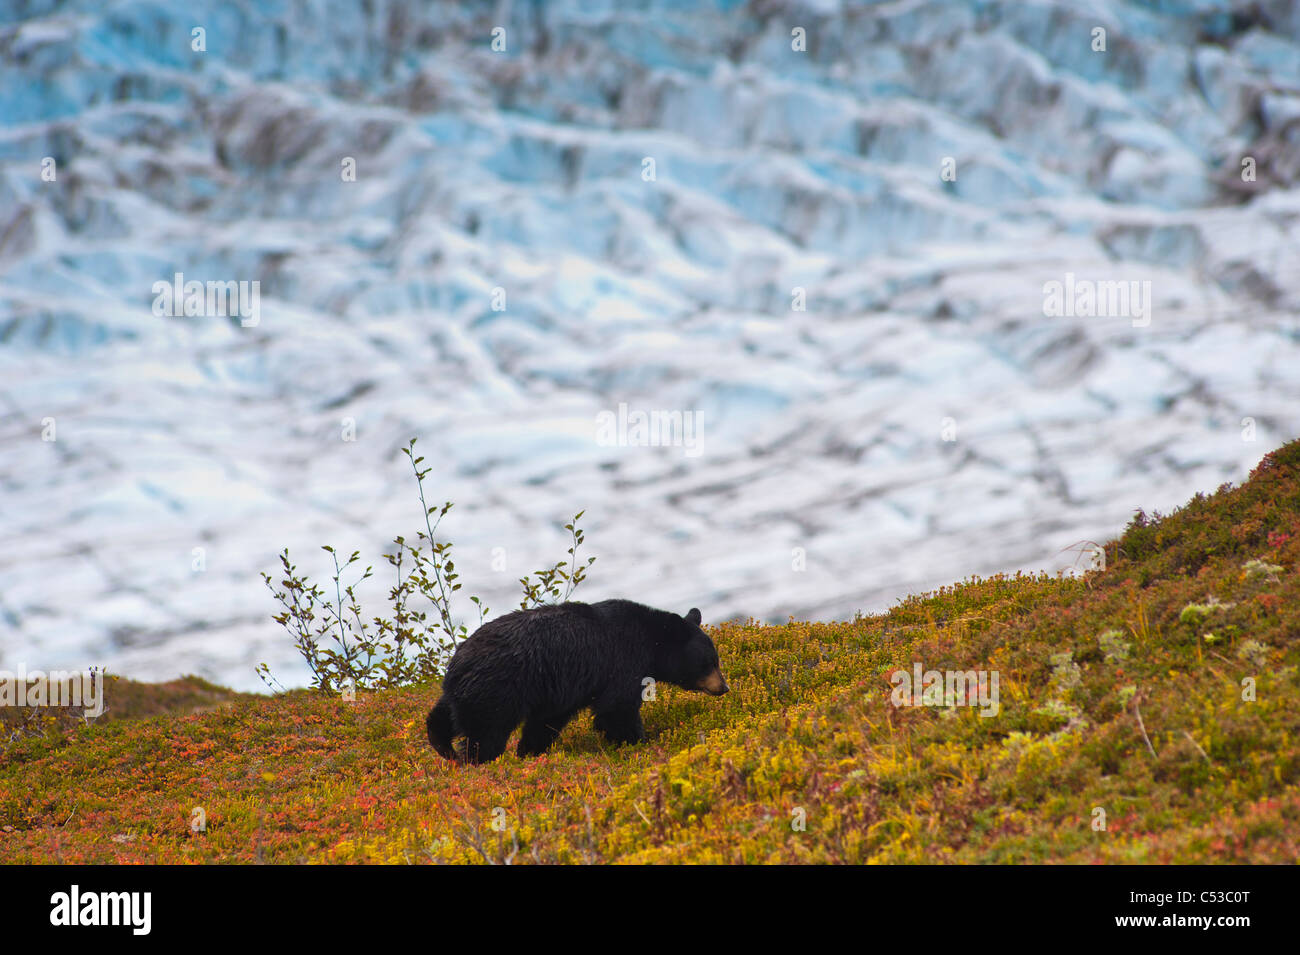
[[1142, 726], [1192, 740]]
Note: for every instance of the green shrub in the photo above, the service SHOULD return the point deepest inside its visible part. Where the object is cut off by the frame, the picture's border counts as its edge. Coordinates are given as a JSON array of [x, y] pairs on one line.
[[417, 640]]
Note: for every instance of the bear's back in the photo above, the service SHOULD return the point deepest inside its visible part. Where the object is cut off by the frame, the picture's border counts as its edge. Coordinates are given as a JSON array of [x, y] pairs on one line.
[[527, 638], [580, 647]]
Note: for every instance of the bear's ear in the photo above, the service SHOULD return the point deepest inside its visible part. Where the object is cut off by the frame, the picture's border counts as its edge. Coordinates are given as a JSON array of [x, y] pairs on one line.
[[693, 618]]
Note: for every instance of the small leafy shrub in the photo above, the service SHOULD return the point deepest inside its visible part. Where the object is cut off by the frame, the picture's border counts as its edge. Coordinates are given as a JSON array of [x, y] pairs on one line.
[[1196, 614], [1066, 674], [1253, 652], [1257, 568], [1113, 646], [416, 641]]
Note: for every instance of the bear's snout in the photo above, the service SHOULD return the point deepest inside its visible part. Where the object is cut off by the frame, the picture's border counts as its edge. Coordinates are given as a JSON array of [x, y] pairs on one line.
[[715, 684]]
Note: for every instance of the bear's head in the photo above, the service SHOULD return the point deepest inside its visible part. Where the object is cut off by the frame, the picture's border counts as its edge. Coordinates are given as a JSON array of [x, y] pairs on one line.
[[690, 660]]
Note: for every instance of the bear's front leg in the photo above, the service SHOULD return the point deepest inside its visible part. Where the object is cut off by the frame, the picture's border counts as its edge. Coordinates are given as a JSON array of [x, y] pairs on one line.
[[621, 724], [540, 732]]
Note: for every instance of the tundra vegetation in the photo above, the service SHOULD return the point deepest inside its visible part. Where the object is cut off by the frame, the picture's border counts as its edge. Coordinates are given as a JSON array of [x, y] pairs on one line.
[[1149, 712]]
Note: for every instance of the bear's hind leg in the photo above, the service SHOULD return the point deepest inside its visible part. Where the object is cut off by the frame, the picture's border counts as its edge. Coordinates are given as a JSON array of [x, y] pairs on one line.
[[621, 724], [540, 732]]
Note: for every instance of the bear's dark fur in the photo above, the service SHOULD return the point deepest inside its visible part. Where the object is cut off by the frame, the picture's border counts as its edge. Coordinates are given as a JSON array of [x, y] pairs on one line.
[[541, 666]]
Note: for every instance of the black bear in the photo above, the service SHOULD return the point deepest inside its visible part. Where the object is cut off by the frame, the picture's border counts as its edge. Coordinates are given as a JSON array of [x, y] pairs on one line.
[[542, 666]]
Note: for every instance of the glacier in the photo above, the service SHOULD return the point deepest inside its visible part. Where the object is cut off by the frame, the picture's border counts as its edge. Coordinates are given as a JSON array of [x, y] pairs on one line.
[[919, 420]]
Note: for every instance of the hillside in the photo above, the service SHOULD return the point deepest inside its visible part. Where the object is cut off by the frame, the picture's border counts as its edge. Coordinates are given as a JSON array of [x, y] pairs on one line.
[[1121, 691]]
